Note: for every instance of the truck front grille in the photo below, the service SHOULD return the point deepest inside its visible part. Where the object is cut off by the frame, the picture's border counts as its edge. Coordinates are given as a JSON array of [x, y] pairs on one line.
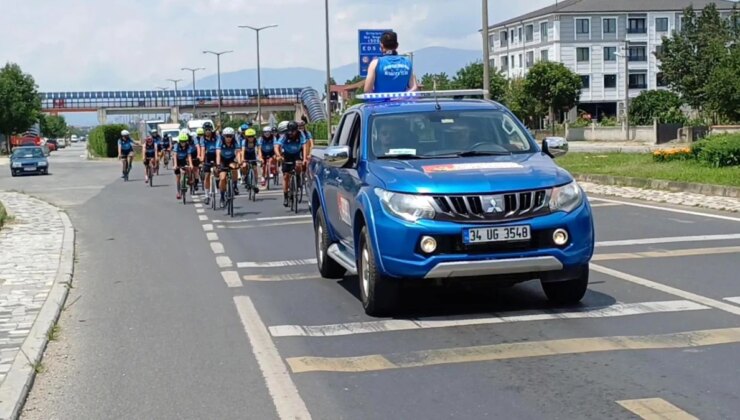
[[493, 207]]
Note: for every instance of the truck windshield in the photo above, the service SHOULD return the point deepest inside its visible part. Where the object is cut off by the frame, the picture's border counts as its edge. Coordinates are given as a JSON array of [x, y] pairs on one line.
[[447, 134]]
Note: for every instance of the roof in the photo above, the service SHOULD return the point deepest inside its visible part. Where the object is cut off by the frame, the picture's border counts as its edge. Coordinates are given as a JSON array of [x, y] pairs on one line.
[[425, 105], [611, 6]]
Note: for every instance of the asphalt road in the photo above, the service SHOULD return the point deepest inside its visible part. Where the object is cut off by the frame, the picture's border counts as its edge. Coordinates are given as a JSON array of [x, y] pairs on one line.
[[181, 312]]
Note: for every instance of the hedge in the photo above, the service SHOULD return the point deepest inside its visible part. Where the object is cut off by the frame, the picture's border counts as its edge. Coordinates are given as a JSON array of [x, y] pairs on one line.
[[3, 215], [103, 139], [718, 151], [318, 129]]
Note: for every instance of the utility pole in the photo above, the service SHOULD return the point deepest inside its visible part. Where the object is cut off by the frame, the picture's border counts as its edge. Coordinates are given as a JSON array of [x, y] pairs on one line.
[[218, 70], [259, 79], [486, 53], [177, 104], [328, 74], [626, 88], [193, 70]]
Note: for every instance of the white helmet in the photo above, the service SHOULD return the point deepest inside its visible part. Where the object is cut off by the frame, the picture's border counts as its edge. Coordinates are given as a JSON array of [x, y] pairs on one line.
[[228, 131], [283, 127], [124, 133]]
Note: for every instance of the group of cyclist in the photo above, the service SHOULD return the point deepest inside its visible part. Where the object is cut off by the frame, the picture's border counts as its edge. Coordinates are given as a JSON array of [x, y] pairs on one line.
[[214, 152]]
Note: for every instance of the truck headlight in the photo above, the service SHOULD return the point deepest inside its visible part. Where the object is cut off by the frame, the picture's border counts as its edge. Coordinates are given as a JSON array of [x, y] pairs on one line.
[[566, 198], [42, 163], [17, 164], [409, 207]]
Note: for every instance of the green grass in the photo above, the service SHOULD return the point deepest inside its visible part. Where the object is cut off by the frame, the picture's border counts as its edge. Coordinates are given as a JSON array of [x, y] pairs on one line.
[[3, 215], [642, 166]]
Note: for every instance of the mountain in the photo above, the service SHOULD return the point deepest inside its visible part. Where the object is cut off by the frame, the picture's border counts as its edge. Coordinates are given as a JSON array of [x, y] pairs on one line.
[[426, 60]]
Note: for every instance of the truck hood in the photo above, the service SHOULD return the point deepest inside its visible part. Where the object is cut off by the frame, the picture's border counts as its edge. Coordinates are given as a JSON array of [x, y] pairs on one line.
[[479, 175]]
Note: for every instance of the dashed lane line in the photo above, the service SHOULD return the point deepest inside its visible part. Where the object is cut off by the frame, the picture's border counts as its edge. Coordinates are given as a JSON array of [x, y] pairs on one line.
[[508, 351], [281, 277], [212, 236], [352, 328], [669, 209], [655, 409], [262, 219], [223, 261], [208, 227], [669, 240], [217, 248], [200, 211], [231, 278], [604, 205], [203, 217], [298, 222], [666, 253], [273, 264]]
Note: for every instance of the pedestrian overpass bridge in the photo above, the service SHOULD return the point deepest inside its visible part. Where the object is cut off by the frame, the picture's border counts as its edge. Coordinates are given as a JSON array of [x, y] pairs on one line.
[[242, 101]]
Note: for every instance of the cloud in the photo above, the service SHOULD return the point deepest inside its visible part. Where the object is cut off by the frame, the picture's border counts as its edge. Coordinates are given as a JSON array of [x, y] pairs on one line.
[[138, 44]]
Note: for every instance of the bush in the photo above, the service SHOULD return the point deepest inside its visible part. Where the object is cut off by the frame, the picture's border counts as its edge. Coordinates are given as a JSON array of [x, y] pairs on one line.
[[318, 129], [581, 122], [609, 122], [103, 139], [718, 151], [667, 155], [3, 215]]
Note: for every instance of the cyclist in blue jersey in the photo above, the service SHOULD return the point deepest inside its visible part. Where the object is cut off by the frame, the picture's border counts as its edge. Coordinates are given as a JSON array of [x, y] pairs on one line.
[[266, 152], [183, 158], [126, 152], [197, 142], [149, 155], [390, 72], [208, 157], [249, 156], [165, 146], [227, 158], [307, 134], [292, 150]]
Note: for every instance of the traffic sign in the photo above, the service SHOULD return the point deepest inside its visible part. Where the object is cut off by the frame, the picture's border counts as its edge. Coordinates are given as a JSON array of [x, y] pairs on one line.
[[368, 47]]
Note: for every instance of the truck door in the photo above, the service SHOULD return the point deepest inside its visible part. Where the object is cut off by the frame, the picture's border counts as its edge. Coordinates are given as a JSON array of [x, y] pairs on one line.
[[330, 180], [348, 184]]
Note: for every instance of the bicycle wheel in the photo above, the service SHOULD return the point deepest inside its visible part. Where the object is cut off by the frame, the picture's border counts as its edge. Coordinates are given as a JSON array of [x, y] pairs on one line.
[[293, 193], [229, 195], [301, 182], [251, 184], [184, 179], [151, 177]]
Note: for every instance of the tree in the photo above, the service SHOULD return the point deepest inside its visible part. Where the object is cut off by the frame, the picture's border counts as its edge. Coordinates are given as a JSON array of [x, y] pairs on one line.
[[442, 79], [54, 126], [333, 83], [690, 56], [20, 103], [723, 87], [471, 77], [524, 106], [354, 80], [554, 86], [661, 104]]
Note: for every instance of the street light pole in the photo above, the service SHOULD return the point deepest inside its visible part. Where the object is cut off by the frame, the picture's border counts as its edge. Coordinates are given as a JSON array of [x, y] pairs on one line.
[[193, 72], [626, 88], [328, 74], [259, 79], [218, 70], [486, 53], [177, 104]]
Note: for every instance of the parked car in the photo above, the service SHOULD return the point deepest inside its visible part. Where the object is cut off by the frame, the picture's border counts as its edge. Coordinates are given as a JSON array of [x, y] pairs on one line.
[[61, 143], [52, 144], [27, 160]]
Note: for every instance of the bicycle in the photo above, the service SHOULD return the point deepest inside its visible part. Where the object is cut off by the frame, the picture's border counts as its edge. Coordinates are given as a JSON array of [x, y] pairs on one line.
[[272, 173], [150, 169], [184, 182], [293, 188], [126, 167], [166, 157], [229, 196], [213, 190], [249, 181]]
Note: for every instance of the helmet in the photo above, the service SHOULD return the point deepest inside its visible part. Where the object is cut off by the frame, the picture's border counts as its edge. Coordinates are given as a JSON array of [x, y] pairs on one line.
[[301, 123], [125, 133], [282, 127], [149, 138], [292, 126], [200, 131], [153, 131], [250, 132], [243, 127], [208, 126], [183, 137], [228, 131]]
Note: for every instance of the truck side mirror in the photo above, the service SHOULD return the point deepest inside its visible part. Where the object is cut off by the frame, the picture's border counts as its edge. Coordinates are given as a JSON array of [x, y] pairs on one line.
[[555, 146], [336, 156]]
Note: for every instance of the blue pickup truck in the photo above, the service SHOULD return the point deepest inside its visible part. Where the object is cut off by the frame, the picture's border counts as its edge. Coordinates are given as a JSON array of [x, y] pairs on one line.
[[440, 187]]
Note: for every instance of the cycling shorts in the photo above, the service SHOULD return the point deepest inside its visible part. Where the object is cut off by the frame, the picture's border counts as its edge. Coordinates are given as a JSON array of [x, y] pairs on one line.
[[226, 162], [125, 153], [290, 162]]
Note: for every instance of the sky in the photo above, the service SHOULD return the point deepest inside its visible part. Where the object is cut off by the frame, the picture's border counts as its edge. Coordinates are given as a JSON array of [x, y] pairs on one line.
[[138, 44]]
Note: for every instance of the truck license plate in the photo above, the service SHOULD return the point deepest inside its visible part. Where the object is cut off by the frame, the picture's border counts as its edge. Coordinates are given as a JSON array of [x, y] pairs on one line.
[[496, 234]]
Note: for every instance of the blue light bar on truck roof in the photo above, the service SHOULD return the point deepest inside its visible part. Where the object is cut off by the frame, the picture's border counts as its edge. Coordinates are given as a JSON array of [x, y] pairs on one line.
[[427, 94]]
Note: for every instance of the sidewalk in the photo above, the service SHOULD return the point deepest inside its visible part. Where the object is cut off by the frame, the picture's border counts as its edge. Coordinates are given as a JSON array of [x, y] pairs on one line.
[[36, 266], [616, 147]]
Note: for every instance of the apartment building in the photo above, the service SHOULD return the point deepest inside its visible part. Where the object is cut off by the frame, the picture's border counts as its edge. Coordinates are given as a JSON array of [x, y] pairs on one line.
[[590, 38]]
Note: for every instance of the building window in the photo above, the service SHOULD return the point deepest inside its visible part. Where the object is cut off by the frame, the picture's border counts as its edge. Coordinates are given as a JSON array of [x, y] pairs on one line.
[[519, 34], [520, 61], [530, 33], [658, 51], [610, 81], [530, 58], [636, 26], [543, 31], [610, 53], [492, 63], [491, 42], [638, 53], [585, 82], [610, 26], [582, 26], [504, 63], [638, 81], [512, 36], [543, 55], [661, 24], [660, 80], [504, 39], [582, 54]]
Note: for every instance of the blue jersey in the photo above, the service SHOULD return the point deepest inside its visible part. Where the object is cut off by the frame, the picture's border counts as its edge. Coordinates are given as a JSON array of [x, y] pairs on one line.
[[196, 143], [392, 74], [126, 145], [266, 145], [210, 146], [157, 140], [150, 149], [292, 147], [183, 150], [307, 134], [228, 152]]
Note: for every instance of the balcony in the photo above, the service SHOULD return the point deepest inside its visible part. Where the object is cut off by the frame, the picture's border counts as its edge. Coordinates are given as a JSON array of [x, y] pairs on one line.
[[642, 30]]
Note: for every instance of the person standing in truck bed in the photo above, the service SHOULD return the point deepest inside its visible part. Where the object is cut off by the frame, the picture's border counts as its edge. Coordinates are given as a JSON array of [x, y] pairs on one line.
[[391, 72]]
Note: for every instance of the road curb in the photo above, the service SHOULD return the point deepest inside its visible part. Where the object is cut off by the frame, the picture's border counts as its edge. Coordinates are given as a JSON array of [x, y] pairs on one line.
[[18, 381], [659, 184]]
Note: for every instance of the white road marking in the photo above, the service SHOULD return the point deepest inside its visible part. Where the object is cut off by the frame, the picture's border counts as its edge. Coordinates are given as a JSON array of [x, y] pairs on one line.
[[282, 389], [208, 227], [733, 299], [714, 303], [224, 261], [693, 213], [281, 277], [200, 211], [686, 222], [198, 205], [263, 219], [231, 278], [220, 226], [217, 248], [272, 264], [203, 217], [670, 239], [605, 204], [297, 222], [616, 310], [212, 236]]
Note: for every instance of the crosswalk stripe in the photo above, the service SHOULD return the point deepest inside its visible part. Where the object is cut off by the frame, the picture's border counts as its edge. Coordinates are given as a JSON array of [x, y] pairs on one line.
[[666, 253], [273, 264], [671, 239], [263, 219], [280, 277], [616, 310], [508, 351], [253, 226], [733, 299], [655, 409]]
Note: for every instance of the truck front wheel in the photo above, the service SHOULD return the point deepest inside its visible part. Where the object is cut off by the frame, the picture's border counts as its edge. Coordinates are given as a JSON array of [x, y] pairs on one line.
[[379, 294], [328, 268], [567, 292]]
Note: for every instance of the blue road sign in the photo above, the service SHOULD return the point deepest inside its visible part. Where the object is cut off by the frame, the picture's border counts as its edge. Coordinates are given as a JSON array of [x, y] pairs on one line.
[[369, 47]]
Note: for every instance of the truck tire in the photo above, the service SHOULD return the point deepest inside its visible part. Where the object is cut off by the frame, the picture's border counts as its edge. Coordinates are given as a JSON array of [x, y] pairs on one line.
[[567, 292], [328, 268], [379, 294]]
